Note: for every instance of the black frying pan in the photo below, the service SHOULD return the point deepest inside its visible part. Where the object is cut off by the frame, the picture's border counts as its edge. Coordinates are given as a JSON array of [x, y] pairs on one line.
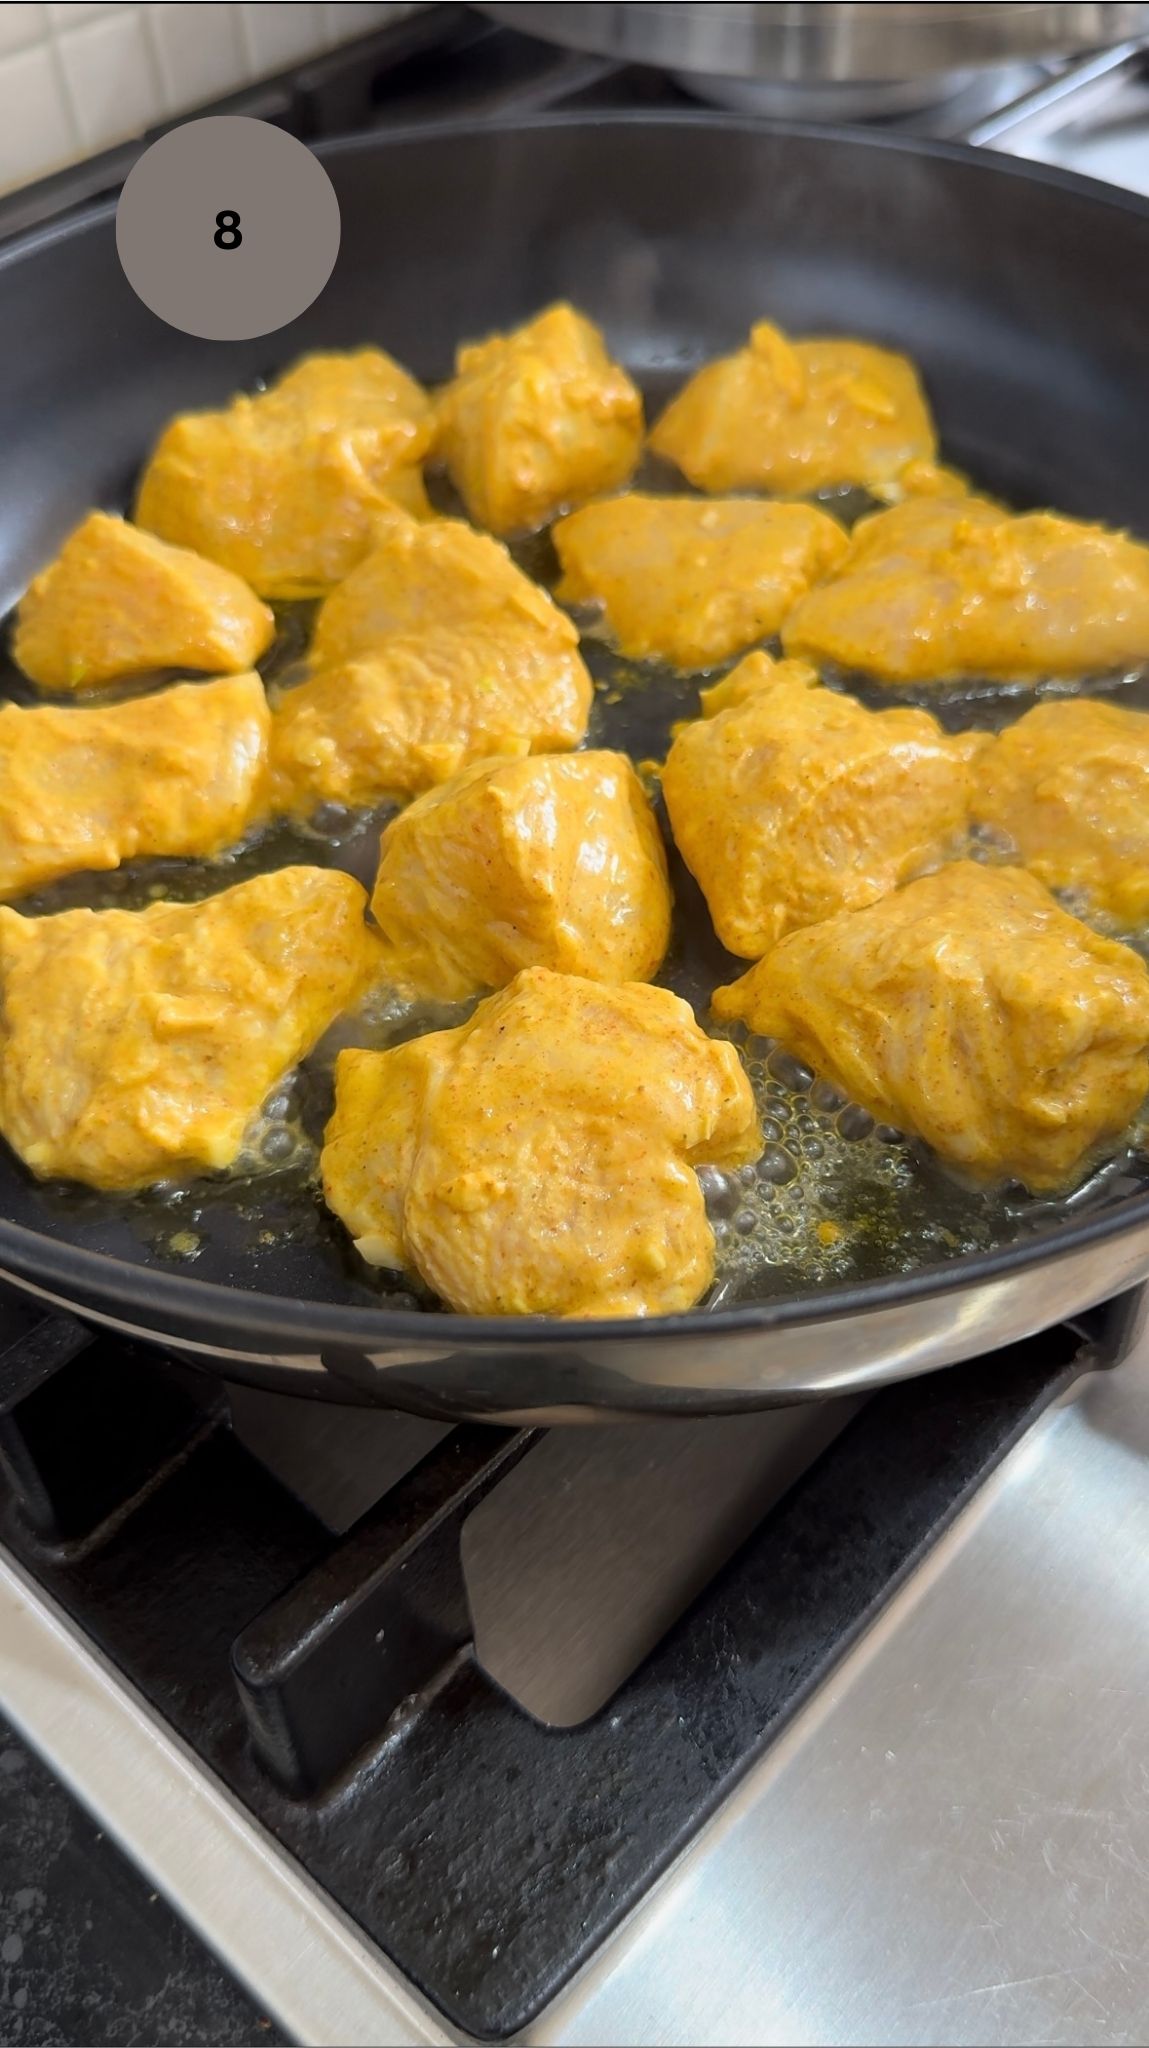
[[1024, 295]]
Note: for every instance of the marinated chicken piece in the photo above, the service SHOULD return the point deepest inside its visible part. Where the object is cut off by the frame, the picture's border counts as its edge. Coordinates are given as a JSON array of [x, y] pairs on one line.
[[789, 802], [970, 1009], [954, 589], [435, 653], [118, 602], [692, 582], [138, 1045], [538, 420], [425, 705], [539, 1160], [288, 488], [181, 772], [925, 480], [1069, 786], [555, 863], [438, 574], [797, 416]]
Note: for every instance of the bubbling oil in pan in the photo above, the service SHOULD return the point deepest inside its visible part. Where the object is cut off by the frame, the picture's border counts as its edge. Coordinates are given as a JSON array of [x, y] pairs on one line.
[[833, 1199]]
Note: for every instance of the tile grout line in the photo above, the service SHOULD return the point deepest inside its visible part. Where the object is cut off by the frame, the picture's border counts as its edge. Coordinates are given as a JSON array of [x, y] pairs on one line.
[[53, 35]]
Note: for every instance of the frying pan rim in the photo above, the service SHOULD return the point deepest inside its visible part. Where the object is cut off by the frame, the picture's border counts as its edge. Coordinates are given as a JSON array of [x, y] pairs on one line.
[[256, 1315], [995, 162], [267, 1317]]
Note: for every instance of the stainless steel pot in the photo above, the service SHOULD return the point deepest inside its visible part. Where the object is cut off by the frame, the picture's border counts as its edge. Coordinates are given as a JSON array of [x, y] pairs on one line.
[[829, 39]]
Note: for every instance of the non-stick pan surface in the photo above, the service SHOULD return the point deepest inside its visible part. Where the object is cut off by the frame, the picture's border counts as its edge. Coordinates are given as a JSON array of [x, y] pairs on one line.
[[1024, 295]]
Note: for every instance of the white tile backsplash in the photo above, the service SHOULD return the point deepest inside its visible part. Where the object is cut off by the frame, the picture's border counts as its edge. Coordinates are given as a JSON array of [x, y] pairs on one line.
[[20, 26], [67, 17], [355, 18], [36, 133], [200, 51], [277, 36], [111, 77], [75, 79]]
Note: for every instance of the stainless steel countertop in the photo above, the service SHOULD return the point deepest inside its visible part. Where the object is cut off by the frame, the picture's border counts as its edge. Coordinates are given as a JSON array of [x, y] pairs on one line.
[[952, 1843]]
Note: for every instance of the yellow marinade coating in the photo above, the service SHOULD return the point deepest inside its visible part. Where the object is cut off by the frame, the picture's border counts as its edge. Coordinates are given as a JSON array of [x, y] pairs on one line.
[[538, 420], [952, 589], [288, 488], [970, 1009], [1068, 785], [418, 711], [441, 573], [551, 862], [789, 802], [118, 602], [797, 416], [692, 581], [138, 1045], [540, 1158], [436, 652], [180, 772], [427, 704]]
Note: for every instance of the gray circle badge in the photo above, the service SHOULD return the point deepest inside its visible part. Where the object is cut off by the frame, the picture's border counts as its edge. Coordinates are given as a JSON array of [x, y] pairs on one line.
[[227, 228]]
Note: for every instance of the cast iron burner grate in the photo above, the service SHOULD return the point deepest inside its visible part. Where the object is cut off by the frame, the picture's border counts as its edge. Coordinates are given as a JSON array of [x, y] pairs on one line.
[[325, 1672]]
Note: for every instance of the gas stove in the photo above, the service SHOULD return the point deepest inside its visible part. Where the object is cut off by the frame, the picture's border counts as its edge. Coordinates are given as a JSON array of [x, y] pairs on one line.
[[592, 1734], [820, 1725]]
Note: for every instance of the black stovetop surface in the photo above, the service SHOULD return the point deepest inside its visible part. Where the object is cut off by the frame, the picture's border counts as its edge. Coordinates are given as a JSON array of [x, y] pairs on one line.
[[88, 1952]]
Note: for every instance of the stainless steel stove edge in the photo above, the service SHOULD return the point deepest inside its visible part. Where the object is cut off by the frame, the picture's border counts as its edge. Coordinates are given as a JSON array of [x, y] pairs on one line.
[[301, 1959]]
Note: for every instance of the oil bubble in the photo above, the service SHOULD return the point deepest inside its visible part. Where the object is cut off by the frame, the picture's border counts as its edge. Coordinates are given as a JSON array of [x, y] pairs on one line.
[[826, 1097], [329, 820], [776, 1165], [720, 1195], [790, 1072]]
